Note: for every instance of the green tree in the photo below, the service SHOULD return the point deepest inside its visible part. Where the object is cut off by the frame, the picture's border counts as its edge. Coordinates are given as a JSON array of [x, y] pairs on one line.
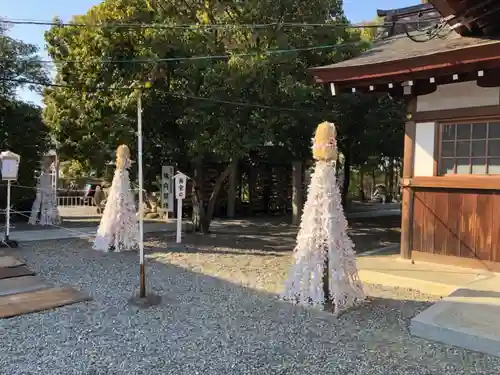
[[21, 125], [370, 126], [371, 32], [91, 122], [16, 69], [370, 129]]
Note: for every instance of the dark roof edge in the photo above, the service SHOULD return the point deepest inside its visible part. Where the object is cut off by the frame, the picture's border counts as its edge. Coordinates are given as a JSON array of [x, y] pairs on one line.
[[486, 43], [483, 52], [403, 11]]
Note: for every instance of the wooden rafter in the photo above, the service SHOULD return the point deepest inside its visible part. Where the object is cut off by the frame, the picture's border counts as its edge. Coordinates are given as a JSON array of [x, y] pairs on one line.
[[469, 16]]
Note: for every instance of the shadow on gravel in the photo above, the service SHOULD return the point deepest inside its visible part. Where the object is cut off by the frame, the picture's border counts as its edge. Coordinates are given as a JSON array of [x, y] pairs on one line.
[[207, 325], [193, 249], [276, 235]]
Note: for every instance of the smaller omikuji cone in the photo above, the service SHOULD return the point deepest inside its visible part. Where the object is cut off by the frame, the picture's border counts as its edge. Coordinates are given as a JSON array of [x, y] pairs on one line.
[[118, 229], [323, 235], [44, 210]]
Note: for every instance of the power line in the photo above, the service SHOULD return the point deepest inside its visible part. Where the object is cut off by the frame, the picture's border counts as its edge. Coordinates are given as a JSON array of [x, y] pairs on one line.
[[239, 104], [47, 84], [175, 94], [209, 26], [190, 58], [198, 58], [139, 25]]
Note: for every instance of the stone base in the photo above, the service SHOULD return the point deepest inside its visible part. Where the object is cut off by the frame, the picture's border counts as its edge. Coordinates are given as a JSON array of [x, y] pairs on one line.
[[467, 319], [145, 302]]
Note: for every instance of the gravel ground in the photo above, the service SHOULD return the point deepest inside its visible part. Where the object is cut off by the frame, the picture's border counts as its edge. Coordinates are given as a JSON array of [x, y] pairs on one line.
[[277, 235], [218, 316]]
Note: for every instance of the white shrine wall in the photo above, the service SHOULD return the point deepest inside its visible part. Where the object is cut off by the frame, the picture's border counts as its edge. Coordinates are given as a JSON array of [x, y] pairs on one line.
[[424, 149], [459, 95], [451, 96]]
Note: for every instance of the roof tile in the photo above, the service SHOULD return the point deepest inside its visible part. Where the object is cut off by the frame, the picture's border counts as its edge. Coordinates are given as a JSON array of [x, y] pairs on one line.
[[400, 47]]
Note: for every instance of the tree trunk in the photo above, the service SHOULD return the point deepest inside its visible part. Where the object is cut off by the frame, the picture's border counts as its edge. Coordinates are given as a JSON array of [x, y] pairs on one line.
[[361, 184], [232, 190], [347, 179], [197, 196], [251, 192], [390, 192], [374, 182], [397, 183], [386, 177], [207, 219], [297, 192], [267, 191]]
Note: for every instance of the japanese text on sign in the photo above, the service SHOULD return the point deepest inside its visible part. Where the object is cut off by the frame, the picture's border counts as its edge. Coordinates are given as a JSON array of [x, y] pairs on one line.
[[167, 191], [180, 186]]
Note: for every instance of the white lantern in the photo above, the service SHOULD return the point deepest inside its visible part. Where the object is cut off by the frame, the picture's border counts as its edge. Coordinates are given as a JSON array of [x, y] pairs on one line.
[[10, 165]]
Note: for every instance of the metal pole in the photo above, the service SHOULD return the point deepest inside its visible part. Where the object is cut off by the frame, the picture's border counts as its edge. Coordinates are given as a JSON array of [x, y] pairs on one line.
[[179, 221], [55, 176], [142, 280], [7, 213]]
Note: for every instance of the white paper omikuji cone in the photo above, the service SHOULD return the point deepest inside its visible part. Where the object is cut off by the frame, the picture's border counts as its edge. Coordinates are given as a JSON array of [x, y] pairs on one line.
[[323, 230], [118, 228], [44, 210]]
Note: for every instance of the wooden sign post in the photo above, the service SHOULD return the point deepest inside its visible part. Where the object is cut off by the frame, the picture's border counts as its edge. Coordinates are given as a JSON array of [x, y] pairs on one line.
[[180, 193], [167, 189]]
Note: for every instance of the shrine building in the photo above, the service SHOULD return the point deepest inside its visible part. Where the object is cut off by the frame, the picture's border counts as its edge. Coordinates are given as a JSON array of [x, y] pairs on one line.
[[443, 58]]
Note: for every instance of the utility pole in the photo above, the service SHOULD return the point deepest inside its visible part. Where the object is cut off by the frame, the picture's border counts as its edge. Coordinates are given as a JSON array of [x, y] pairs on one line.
[[142, 279], [142, 300]]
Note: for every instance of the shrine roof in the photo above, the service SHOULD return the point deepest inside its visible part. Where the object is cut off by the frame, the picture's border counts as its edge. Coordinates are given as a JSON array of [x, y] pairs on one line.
[[411, 46], [448, 50], [400, 47]]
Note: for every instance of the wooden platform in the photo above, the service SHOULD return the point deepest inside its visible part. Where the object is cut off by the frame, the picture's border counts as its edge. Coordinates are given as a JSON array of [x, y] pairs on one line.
[[22, 292], [18, 271], [10, 261], [22, 284], [40, 300]]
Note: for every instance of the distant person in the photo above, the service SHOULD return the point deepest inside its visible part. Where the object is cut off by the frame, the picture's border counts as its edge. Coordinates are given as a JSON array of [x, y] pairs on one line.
[[98, 198], [379, 194]]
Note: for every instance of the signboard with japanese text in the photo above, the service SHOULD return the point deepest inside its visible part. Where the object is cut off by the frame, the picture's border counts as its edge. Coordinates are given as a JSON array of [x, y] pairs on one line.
[[180, 185], [167, 188], [180, 193]]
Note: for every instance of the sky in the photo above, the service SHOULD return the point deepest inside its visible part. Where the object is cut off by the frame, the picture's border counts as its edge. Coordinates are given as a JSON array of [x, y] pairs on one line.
[[356, 11]]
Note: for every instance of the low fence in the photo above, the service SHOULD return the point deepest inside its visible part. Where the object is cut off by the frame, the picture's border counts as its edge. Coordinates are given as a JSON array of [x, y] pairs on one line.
[[76, 206], [72, 201]]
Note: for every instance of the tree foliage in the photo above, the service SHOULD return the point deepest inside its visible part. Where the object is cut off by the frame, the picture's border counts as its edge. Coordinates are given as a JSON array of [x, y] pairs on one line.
[[90, 119], [370, 126], [371, 31], [21, 125]]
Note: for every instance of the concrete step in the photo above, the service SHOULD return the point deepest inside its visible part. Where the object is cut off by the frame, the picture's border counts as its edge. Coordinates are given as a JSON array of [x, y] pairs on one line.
[[435, 279], [468, 318]]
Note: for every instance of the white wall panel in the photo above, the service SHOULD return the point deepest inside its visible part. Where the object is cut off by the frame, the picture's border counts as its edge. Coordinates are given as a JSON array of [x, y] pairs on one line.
[[459, 95], [424, 149]]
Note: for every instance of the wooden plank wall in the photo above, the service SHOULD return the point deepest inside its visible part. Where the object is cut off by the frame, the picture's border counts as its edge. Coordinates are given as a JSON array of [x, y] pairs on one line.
[[462, 223]]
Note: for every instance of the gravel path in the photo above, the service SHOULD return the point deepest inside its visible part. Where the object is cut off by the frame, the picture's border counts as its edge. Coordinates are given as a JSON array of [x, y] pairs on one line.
[[212, 325]]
